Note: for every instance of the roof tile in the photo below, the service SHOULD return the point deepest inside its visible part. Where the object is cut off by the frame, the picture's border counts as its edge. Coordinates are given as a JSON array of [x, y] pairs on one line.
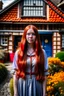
[[11, 15]]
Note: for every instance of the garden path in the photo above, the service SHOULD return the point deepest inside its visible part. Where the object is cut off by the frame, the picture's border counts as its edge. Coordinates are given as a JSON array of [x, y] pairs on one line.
[[4, 87]]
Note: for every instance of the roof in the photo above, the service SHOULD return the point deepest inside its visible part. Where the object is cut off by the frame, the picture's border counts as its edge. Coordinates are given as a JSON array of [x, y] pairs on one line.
[[55, 14], [55, 8], [60, 4], [9, 6]]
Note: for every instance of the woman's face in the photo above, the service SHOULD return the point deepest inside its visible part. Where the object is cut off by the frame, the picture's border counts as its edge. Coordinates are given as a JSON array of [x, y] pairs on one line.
[[30, 36]]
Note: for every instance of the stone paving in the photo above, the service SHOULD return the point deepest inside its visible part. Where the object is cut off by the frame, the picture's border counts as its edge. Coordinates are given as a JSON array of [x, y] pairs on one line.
[[4, 87]]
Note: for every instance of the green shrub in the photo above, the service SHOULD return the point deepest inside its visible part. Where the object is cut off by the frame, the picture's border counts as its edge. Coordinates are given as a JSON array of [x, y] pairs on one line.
[[4, 55], [3, 72], [11, 87], [53, 68], [60, 55]]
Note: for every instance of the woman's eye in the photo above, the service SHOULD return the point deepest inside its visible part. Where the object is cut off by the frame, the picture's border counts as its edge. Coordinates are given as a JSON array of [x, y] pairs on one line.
[[30, 33], [33, 33]]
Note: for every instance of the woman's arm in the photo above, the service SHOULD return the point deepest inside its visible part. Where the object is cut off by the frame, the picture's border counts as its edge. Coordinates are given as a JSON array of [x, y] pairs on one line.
[[15, 81], [45, 73], [44, 87]]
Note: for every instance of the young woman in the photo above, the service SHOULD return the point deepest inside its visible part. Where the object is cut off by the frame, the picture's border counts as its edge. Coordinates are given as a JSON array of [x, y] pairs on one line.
[[30, 65]]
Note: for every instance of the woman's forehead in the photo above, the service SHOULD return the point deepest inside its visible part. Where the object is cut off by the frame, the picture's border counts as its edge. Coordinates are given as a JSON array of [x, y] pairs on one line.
[[30, 30]]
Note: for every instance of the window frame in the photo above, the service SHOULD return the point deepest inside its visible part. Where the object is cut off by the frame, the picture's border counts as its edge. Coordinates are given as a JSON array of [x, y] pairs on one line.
[[44, 11], [62, 41], [3, 40]]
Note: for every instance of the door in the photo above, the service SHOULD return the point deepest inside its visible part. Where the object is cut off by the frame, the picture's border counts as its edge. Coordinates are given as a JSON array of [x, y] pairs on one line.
[[16, 41], [46, 41]]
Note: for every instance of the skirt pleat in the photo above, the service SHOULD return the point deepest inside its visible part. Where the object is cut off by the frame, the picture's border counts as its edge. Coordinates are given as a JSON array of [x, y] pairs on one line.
[[29, 87]]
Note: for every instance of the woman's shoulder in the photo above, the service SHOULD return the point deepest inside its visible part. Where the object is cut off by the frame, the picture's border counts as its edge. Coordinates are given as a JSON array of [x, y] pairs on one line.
[[16, 53], [43, 50]]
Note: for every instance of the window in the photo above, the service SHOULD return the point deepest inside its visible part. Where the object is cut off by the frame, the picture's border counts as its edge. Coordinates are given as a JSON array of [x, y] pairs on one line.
[[4, 41], [33, 8], [62, 41]]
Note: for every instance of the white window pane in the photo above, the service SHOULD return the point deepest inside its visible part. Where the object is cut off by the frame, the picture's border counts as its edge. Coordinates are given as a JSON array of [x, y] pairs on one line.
[[26, 13], [58, 39], [54, 47], [10, 43], [29, 2], [41, 9], [32, 2], [37, 3], [58, 47], [58, 50], [25, 2], [58, 43], [54, 51], [32, 13], [62, 41], [34, 8], [54, 39], [41, 2], [4, 41], [37, 13]]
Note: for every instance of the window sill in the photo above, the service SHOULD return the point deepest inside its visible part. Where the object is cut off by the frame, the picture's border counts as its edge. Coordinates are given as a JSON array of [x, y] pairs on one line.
[[33, 16], [4, 45]]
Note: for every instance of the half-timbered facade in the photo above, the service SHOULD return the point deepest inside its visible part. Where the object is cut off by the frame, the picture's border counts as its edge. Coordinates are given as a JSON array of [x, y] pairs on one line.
[[46, 16]]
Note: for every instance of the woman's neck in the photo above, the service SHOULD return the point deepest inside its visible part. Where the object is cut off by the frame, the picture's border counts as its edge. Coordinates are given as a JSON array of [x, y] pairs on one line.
[[30, 47]]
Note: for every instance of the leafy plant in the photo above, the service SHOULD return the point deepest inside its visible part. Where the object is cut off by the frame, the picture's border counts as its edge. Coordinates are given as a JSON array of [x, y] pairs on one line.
[[55, 84], [60, 55], [53, 68], [11, 87], [55, 65], [55, 80], [3, 54], [3, 72]]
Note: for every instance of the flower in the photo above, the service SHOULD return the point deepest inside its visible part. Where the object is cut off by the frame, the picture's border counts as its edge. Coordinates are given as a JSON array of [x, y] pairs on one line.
[[55, 80]]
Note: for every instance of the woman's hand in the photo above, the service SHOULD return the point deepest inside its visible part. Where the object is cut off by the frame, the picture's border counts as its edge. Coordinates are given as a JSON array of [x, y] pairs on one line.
[[44, 87], [15, 85], [15, 94]]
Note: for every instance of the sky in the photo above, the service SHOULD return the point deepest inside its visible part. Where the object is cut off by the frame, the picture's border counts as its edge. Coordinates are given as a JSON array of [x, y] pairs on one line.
[[6, 2]]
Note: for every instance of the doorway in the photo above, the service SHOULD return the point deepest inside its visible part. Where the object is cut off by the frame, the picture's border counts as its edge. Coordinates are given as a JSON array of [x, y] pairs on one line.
[[46, 42]]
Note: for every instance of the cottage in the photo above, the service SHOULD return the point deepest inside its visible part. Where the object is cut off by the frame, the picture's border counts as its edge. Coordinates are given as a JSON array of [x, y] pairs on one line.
[[44, 14]]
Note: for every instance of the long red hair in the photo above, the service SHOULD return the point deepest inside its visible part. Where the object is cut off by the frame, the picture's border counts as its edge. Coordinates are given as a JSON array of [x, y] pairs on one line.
[[22, 53]]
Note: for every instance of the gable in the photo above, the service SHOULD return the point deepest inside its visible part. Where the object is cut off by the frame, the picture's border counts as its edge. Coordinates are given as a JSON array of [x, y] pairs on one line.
[[54, 15], [55, 8]]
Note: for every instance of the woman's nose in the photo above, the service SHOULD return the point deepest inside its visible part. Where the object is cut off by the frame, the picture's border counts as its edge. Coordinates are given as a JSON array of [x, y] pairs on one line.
[[31, 35]]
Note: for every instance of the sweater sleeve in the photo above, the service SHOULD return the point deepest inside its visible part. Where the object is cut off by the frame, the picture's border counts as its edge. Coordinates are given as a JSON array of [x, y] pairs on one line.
[[14, 64], [45, 63]]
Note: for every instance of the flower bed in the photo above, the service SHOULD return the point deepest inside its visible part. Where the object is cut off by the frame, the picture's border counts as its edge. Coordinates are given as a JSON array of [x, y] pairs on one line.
[[55, 80]]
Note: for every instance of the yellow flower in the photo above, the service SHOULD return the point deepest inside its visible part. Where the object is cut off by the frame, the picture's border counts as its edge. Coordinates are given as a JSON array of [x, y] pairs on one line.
[[52, 60], [49, 88]]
